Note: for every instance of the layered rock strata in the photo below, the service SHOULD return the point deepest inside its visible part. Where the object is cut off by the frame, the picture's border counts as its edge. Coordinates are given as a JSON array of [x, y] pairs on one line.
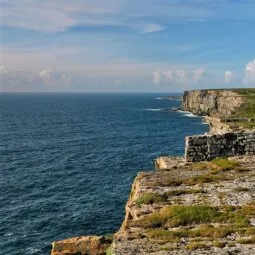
[[212, 102]]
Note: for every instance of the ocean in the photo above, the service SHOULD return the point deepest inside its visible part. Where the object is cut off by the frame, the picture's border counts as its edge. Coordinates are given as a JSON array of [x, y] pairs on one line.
[[67, 161]]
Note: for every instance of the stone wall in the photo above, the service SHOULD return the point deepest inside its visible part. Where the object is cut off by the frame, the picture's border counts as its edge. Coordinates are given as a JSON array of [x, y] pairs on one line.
[[208, 147], [211, 102]]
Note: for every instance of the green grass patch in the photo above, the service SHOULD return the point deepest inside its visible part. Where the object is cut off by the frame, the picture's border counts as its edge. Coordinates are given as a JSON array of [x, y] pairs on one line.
[[181, 215], [150, 198], [178, 192], [166, 235], [206, 178], [250, 240], [241, 189], [219, 244], [195, 245], [247, 110], [224, 163]]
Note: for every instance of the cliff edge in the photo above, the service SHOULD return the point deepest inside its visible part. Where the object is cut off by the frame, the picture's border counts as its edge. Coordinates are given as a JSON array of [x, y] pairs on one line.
[[202, 203]]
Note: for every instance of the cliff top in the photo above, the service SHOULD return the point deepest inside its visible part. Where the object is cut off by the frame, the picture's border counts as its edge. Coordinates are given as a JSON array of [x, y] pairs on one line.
[[247, 111], [194, 208]]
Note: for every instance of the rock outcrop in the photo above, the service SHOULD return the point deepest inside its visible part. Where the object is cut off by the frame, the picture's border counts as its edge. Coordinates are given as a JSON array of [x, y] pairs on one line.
[[86, 245]]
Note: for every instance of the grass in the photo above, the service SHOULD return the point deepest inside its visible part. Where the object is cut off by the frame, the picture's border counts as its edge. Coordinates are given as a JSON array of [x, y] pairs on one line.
[[109, 251], [166, 235], [250, 240], [182, 215], [150, 198], [200, 166], [247, 111], [241, 189], [224, 163], [206, 178], [219, 244], [195, 245], [207, 231], [178, 192], [179, 215]]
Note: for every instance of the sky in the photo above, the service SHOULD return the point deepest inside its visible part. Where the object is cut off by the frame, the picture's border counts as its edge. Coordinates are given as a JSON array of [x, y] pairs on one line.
[[126, 45]]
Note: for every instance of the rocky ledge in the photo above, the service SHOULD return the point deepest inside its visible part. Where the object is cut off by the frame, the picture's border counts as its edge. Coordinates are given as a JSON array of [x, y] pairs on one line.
[[191, 208]]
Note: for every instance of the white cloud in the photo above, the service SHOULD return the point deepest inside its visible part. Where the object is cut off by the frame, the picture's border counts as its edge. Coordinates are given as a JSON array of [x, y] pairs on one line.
[[250, 72], [157, 78], [47, 73], [168, 75], [179, 76], [228, 77], [151, 28], [59, 15], [3, 70], [198, 74]]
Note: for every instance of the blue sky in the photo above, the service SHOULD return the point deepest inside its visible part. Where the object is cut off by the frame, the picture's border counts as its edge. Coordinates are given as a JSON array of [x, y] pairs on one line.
[[126, 45]]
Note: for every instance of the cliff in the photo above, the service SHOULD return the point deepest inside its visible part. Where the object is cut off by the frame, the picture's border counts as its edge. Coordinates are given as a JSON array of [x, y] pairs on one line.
[[226, 110], [212, 102], [197, 204]]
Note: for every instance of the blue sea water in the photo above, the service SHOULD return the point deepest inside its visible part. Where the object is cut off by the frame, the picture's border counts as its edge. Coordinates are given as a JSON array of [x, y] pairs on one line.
[[67, 161]]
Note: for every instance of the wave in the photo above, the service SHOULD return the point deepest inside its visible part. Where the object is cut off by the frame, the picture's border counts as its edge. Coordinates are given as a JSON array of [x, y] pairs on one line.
[[159, 98], [189, 114], [153, 109]]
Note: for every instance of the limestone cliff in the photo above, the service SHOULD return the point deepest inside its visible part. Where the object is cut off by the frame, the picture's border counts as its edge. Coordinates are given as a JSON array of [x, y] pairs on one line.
[[211, 102]]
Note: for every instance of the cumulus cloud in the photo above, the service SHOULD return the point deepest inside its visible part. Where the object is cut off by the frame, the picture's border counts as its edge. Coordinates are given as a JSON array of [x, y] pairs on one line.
[[157, 78], [181, 76], [250, 72], [168, 75], [47, 73], [228, 76], [151, 28], [3, 70], [198, 74]]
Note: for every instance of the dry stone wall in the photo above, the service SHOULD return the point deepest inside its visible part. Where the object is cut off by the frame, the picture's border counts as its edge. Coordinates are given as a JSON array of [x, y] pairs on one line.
[[208, 147]]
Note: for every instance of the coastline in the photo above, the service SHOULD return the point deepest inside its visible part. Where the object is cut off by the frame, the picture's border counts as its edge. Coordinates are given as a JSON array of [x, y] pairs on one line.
[[151, 195]]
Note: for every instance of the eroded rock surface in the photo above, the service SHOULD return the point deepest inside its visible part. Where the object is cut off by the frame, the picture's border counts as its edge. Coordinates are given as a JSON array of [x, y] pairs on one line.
[[211, 102], [87, 245], [228, 192]]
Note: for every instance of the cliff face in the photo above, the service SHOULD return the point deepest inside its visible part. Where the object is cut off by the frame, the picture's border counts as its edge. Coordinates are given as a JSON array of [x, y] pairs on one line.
[[211, 102]]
